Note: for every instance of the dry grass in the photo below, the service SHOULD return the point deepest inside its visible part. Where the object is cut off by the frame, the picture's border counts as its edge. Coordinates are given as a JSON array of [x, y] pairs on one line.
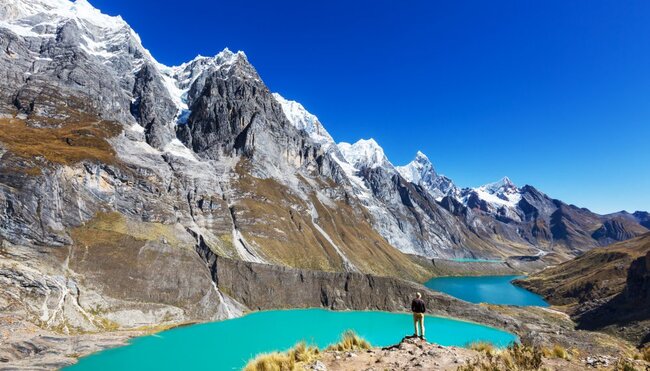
[[625, 365], [301, 354], [349, 342], [516, 357], [114, 222], [68, 143], [482, 346], [351, 230], [293, 359]]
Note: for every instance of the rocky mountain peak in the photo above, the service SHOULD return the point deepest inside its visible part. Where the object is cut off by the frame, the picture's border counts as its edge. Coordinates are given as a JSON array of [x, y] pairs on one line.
[[421, 167], [504, 185], [420, 171], [185, 74], [421, 157]]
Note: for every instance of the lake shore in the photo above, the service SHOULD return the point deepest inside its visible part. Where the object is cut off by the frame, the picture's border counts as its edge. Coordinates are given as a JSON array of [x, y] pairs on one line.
[[261, 287]]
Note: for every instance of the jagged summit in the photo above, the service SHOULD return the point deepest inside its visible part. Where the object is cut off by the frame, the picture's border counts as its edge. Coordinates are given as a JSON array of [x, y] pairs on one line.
[[415, 170], [421, 171], [420, 156]]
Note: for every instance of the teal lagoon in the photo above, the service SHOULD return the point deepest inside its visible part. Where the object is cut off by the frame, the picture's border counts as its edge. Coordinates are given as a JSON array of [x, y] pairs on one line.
[[228, 345], [486, 289]]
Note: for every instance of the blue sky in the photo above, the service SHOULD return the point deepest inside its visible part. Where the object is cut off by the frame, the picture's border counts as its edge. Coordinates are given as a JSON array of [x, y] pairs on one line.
[[555, 94]]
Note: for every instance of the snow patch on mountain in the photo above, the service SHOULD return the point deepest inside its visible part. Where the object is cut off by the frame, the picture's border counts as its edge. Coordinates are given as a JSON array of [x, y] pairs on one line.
[[15, 11], [303, 120], [365, 153]]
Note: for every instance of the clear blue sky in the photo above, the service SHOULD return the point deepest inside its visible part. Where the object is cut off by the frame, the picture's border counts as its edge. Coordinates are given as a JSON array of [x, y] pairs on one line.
[[551, 93]]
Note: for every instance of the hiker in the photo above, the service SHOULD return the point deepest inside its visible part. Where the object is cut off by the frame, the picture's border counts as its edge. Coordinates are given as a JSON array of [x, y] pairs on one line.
[[418, 309]]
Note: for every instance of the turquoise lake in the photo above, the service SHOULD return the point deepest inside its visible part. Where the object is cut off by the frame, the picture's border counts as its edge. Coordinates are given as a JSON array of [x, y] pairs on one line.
[[228, 345], [486, 289]]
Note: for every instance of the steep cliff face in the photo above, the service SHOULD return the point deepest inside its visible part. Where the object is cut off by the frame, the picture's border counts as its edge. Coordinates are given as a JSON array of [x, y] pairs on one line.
[[260, 286]]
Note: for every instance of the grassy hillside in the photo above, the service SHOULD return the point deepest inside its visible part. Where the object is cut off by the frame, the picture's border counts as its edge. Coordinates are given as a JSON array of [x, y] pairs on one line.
[[606, 288]]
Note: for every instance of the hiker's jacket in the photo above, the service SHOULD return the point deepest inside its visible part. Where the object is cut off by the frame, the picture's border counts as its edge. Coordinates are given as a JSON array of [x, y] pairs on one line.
[[417, 306]]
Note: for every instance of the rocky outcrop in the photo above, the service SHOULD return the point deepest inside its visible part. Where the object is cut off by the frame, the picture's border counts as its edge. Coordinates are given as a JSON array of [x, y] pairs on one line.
[[412, 354]]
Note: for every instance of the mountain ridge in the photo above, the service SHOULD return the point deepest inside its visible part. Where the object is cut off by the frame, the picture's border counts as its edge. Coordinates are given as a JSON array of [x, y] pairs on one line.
[[200, 160]]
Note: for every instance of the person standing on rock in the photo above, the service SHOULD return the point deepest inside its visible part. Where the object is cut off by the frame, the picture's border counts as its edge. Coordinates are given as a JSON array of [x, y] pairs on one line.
[[418, 308]]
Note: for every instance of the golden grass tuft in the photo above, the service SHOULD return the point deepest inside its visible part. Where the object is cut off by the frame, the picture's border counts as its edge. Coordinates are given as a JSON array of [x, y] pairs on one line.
[[302, 354], [645, 353], [293, 359], [350, 341], [557, 351], [516, 357], [482, 346]]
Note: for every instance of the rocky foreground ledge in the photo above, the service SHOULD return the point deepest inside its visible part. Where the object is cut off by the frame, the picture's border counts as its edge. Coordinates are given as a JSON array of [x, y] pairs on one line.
[[415, 354]]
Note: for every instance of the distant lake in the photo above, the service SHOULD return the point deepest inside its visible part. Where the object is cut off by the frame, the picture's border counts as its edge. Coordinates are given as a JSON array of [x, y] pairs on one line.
[[228, 345], [470, 260], [486, 289]]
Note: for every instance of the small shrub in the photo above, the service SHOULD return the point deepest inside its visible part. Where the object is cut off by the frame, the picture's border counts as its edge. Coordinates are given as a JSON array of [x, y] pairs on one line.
[[350, 342], [645, 354], [526, 357]]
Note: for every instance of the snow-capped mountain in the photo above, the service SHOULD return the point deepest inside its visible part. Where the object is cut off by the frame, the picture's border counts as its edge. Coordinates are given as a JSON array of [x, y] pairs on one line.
[[501, 197], [420, 171], [204, 154], [523, 216]]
